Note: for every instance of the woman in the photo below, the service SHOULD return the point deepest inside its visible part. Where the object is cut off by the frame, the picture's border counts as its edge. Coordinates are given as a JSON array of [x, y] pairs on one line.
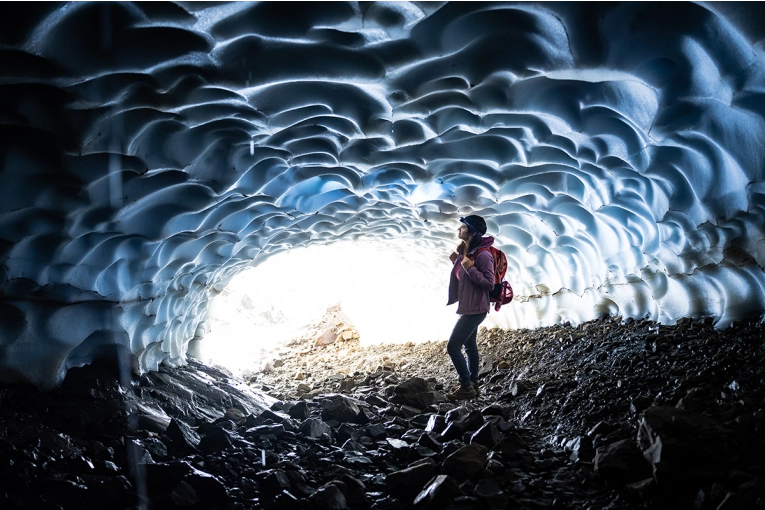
[[472, 278]]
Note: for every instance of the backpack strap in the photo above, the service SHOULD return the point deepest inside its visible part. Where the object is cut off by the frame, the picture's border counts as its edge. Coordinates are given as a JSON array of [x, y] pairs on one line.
[[498, 303]]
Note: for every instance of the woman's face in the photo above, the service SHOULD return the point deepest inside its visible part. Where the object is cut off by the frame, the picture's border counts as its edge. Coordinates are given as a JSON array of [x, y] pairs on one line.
[[463, 232]]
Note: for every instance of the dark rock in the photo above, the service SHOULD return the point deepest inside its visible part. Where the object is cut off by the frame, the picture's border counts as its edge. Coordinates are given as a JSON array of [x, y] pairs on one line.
[[313, 427], [441, 491], [184, 495], [274, 481], [495, 467], [580, 449], [182, 437], [209, 488], [400, 448], [299, 480], [375, 400], [342, 409], [621, 462], [136, 453], [300, 411], [409, 412], [470, 422], [346, 432], [414, 392], [682, 445], [456, 413], [387, 503], [412, 386], [602, 427], [494, 410], [237, 416], [436, 423], [96, 440], [512, 443], [465, 463], [430, 441], [412, 435], [328, 497], [466, 503], [407, 483], [215, 439], [275, 417], [353, 488], [353, 446], [487, 435], [285, 500], [155, 447], [225, 424], [731, 501], [640, 403], [644, 489], [106, 491], [151, 422], [451, 432], [356, 458], [518, 387], [375, 431], [490, 492], [276, 430], [63, 491], [162, 477], [421, 420]]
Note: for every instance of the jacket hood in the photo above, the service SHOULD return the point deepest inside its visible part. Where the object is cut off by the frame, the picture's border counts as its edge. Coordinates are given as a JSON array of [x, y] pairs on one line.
[[486, 241]]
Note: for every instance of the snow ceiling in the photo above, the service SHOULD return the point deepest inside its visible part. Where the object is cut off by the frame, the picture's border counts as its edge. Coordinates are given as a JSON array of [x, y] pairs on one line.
[[151, 151]]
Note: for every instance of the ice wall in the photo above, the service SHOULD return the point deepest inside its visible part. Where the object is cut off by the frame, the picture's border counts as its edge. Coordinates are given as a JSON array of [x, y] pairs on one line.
[[150, 151]]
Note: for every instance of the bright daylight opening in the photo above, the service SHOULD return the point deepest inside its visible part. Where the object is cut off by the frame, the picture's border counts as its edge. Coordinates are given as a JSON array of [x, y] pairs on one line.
[[389, 292]]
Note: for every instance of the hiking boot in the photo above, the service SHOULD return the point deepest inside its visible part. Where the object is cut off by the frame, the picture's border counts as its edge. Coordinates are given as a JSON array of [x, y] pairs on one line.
[[462, 393], [474, 384]]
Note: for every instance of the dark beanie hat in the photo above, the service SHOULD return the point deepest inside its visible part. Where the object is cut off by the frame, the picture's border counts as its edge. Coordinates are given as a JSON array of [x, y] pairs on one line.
[[475, 223]]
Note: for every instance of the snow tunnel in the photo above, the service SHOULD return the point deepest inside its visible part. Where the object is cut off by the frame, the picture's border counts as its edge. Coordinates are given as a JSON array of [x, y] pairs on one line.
[[152, 151]]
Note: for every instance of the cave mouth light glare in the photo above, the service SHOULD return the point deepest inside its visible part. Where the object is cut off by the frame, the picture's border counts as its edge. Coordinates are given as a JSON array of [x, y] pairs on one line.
[[392, 291]]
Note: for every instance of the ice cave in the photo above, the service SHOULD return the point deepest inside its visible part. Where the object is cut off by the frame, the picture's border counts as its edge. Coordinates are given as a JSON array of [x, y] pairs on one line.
[[153, 151]]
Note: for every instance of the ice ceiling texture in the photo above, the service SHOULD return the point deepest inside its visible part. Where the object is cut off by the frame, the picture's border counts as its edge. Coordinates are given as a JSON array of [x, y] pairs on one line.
[[151, 151]]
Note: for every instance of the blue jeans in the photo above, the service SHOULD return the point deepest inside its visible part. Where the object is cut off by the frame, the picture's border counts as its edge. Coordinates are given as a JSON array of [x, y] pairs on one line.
[[464, 334]]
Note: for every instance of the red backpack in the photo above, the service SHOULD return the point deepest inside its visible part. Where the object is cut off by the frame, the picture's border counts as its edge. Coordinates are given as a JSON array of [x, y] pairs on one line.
[[502, 293]]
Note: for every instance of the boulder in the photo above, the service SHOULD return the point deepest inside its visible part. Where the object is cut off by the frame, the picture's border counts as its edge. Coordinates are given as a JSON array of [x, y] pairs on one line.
[[182, 437], [487, 435], [683, 446], [466, 463], [328, 497], [621, 462], [342, 409], [441, 491], [407, 483], [299, 411], [414, 392], [315, 428], [580, 449]]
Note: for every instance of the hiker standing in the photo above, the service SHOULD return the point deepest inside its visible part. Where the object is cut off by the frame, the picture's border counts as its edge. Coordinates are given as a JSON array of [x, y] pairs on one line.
[[472, 277]]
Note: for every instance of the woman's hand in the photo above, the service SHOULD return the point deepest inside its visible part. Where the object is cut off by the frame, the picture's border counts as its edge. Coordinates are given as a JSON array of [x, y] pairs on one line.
[[467, 263], [459, 251]]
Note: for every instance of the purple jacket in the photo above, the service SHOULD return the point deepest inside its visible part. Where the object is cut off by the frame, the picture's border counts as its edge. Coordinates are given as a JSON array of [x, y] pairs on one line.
[[472, 289]]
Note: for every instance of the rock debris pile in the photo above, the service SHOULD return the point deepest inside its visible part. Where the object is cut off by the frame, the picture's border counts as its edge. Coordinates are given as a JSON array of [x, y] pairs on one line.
[[603, 415]]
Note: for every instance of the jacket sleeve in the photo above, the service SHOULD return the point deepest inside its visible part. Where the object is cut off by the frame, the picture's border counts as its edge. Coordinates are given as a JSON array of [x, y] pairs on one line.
[[482, 272]]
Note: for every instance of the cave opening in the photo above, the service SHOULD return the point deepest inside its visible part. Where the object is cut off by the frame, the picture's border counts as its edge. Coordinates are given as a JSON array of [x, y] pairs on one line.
[[387, 291]]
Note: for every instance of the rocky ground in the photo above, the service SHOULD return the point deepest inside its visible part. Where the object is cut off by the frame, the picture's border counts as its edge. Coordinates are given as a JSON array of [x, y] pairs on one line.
[[605, 415]]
